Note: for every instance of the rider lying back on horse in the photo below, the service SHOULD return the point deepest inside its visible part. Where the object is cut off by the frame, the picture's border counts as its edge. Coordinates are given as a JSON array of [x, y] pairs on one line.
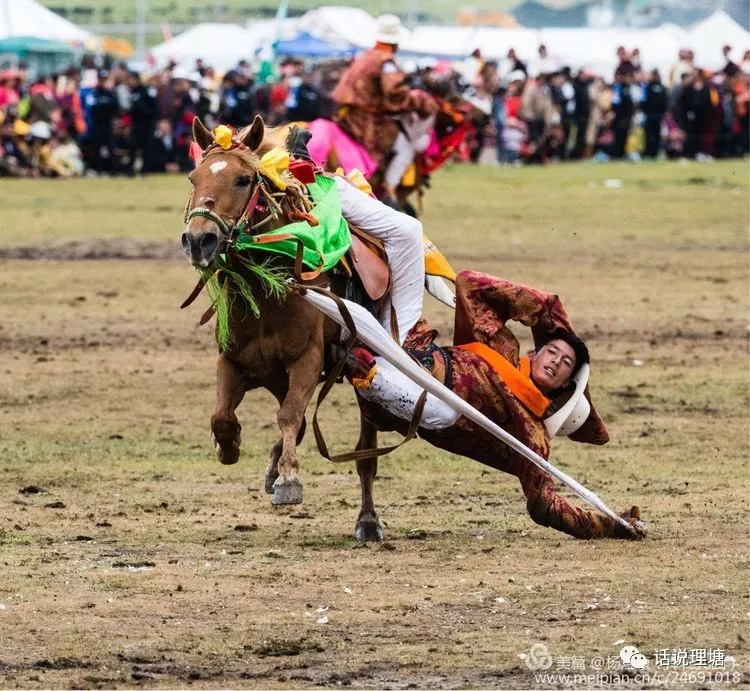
[[485, 368]]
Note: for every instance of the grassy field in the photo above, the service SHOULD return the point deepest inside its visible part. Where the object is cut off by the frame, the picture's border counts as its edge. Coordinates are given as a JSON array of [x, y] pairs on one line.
[[132, 558]]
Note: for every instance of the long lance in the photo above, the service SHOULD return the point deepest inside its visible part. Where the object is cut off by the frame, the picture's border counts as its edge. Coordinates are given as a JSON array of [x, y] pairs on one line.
[[372, 334]]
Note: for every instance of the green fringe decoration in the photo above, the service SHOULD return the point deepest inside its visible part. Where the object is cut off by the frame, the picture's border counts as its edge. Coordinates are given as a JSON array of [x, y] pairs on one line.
[[272, 279]]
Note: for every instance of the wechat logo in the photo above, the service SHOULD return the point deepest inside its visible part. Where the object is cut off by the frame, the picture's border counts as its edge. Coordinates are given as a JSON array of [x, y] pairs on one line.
[[632, 658]]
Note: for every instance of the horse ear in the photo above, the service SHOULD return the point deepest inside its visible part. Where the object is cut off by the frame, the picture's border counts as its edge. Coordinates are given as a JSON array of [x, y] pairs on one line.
[[254, 136], [202, 136]]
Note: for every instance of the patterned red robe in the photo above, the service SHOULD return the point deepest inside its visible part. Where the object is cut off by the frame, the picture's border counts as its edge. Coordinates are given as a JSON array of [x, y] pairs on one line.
[[484, 306]]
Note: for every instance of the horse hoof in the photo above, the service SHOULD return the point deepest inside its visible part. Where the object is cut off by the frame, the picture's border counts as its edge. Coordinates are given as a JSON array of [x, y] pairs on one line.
[[287, 491], [368, 529], [227, 455], [270, 479], [226, 438]]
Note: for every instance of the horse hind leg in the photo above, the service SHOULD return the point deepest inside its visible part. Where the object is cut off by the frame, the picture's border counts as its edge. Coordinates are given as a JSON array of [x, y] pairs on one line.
[[225, 428], [368, 526]]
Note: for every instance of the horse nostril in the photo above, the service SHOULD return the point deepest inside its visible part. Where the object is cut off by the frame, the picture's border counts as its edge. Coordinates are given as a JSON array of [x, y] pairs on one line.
[[209, 242], [185, 243]]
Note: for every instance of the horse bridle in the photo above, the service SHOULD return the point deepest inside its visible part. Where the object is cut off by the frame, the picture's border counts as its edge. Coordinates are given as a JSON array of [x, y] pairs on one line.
[[229, 228]]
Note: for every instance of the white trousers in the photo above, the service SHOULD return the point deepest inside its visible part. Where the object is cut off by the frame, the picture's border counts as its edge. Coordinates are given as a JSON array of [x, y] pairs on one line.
[[393, 391], [407, 146], [402, 237]]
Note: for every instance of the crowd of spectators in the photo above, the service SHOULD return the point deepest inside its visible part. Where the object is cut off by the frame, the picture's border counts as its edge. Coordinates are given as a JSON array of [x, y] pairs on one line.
[[553, 113], [104, 119]]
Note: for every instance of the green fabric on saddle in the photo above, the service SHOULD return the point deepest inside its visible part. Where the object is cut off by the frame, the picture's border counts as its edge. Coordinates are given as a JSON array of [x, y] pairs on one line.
[[328, 241]]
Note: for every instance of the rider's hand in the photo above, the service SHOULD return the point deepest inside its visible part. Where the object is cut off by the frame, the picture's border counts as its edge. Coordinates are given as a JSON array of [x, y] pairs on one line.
[[637, 529]]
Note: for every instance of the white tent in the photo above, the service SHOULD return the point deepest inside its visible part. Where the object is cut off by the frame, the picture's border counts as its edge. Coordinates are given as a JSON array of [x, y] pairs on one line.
[[220, 45], [29, 18], [263, 31], [589, 48], [441, 41], [708, 37], [223, 45], [340, 25], [593, 49]]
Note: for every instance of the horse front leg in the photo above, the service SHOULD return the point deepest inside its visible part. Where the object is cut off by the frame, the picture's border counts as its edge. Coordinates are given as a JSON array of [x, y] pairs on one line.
[[304, 374], [225, 428], [279, 389], [368, 526]]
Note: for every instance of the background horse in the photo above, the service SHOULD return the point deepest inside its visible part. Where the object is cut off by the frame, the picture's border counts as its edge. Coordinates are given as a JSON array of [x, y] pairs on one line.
[[456, 122]]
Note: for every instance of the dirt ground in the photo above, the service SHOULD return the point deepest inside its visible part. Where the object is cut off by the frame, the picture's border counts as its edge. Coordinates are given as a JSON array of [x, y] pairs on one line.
[[131, 558]]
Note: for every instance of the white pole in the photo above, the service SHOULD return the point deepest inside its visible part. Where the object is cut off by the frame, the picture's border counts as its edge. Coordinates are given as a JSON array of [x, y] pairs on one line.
[[372, 334]]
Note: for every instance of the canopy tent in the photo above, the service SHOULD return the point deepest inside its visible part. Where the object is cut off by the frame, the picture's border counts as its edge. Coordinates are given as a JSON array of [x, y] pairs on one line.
[[708, 37], [43, 56], [220, 45], [306, 46], [341, 31], [263, 31], [29, 18], [452, 42], [348, 25]]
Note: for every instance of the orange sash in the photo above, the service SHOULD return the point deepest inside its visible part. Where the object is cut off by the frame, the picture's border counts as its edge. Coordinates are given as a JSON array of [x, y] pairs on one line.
[[518, 380]]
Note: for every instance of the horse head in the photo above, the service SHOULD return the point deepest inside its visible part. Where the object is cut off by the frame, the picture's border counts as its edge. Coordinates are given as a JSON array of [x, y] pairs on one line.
[[224, 184]]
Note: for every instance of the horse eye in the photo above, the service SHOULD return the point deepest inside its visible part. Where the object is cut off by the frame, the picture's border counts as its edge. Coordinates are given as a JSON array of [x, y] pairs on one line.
[[243, 181]]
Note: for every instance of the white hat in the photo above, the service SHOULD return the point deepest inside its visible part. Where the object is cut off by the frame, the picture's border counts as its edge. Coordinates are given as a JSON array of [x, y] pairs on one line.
[[516, 76], [41, 130], [575, 412], [390, 30]]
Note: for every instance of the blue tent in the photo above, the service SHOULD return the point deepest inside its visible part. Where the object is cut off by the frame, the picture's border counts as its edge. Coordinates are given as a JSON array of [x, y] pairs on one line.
[[307, 46]]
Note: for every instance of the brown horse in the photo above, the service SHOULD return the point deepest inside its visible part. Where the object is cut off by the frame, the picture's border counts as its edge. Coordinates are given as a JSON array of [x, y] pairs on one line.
[[282, 349]]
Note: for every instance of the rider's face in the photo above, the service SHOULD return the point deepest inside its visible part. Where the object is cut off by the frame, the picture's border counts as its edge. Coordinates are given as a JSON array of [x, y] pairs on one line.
[[552, 365]]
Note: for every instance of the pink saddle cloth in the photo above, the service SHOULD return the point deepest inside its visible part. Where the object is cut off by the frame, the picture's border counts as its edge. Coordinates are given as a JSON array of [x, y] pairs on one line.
[[327, 136]]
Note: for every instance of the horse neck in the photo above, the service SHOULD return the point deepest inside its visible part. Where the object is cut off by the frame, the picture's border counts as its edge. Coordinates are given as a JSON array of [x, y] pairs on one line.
[[258, 289], [281, 317]]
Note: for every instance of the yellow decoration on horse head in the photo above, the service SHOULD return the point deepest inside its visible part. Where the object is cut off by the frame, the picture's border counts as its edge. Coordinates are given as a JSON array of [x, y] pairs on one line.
[[223, 136], [273, 163]]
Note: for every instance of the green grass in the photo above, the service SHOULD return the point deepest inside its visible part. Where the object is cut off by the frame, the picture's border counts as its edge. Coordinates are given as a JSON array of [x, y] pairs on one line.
[[523, 208]]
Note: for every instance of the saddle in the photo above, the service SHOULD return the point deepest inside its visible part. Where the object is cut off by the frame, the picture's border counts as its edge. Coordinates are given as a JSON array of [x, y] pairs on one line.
[[367, 259]]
